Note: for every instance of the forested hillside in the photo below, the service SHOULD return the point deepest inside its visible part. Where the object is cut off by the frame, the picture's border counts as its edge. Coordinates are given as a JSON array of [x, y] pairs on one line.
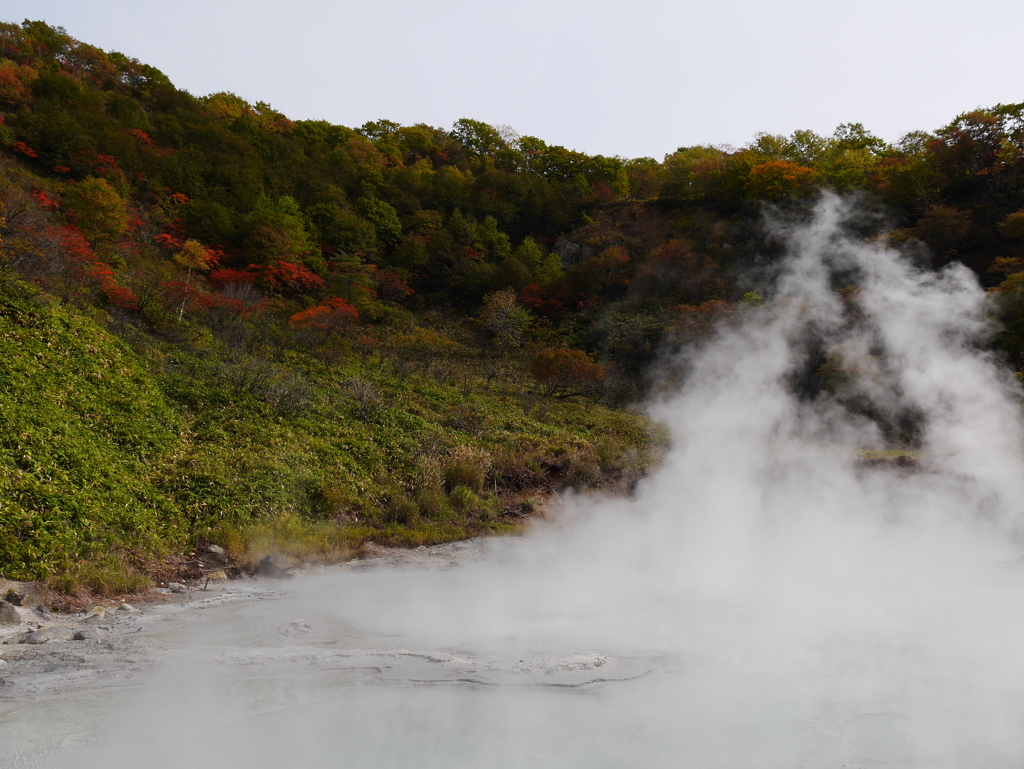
[[218, 323]]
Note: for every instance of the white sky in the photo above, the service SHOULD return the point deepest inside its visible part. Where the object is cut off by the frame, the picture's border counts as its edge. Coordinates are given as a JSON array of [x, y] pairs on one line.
[[612, 78]]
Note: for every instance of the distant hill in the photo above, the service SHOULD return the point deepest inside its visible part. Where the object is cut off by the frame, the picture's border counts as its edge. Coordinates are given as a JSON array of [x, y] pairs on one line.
[[219, 324]]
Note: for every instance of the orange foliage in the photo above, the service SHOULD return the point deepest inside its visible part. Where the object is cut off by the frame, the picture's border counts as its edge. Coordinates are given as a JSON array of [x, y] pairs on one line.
[[777, 180], [333, 315], [285, 277], [565, 373], [142, 136], [12, 83]]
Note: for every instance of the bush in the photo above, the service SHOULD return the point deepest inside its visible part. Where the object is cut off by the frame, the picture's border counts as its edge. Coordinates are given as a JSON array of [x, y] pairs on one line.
[[467, 466], [401, 509], [107, 577], [566, 373]]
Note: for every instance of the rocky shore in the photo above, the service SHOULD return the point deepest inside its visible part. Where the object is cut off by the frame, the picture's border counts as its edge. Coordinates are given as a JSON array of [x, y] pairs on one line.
[[49, 653]]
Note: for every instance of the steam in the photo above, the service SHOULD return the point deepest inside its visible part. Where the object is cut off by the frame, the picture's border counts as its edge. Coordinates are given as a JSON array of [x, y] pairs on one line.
[[787, 602]]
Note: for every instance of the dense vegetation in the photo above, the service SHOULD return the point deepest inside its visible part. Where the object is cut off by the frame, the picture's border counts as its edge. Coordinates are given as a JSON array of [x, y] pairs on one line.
[[219, 323]]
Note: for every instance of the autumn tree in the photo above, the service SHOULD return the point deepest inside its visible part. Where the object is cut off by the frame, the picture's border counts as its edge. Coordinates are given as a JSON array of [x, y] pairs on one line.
[[566, 373], [503, 321], [193, 256], [331, 318], [778, 180]]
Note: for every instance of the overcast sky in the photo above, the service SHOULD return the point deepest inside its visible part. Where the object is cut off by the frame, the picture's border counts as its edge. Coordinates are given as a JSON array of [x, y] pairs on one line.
[[637, 79]]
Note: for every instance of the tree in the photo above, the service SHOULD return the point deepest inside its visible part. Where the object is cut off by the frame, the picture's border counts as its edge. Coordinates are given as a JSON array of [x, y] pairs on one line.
[[95, 208], [277, 230], [778, 180], [691, 173], [332, 317], [193, 256], [567, 373], [503, 320], [1012, 226], [477, 137], [943, 228], [384, 218]]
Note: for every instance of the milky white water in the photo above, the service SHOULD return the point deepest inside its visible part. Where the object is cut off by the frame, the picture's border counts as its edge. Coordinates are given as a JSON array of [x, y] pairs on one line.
[[764, 600]]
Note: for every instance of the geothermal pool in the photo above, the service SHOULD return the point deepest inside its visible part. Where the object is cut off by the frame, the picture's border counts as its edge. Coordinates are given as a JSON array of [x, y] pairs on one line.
[[773, 595], [422, 666]]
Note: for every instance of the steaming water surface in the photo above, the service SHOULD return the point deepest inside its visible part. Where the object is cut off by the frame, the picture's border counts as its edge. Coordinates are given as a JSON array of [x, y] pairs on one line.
[[765, 599]]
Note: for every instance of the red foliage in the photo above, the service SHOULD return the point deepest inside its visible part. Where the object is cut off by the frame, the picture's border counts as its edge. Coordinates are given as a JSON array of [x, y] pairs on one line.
[[179, 198], [43, 199], [333, 315], [168, 241], [285, 277], [104, 163], [391, 286], [61, 169], [24, 149], [142, 136], [220, 279], [561, 297], [89, 270]]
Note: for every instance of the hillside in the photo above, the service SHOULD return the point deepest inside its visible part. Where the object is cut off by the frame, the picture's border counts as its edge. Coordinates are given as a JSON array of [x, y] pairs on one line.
[[222, 325]]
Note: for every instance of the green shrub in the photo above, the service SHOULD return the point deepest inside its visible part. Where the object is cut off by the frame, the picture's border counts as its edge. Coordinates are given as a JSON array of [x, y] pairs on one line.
[[106, 577], [401, 509], [464, 500], [467, 466]]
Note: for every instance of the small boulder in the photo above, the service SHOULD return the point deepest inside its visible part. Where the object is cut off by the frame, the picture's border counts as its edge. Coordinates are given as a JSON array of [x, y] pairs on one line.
[[21, 598], [127, 607], [216, 550], [88, 634], [176, 587], [3, 664], [8, 614], [59, 633], [276, 567]]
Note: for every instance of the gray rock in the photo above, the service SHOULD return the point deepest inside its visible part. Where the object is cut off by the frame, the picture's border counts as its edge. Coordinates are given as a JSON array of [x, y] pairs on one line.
[[128, 608], [22, 598], [276, 567], [8, 614], [44, 612], [96, 619], [216, 550], [3, 664], [161, 590], [176, 587], [59, 633], [570, 253], [88, 634]]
